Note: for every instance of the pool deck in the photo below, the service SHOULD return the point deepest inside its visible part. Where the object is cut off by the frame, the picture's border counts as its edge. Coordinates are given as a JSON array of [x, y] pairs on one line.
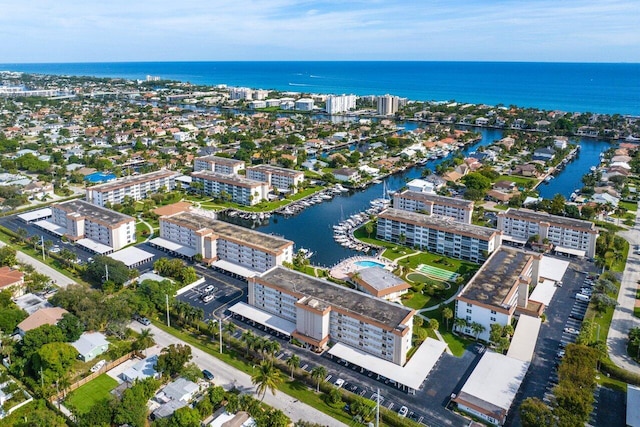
[[344, 268]]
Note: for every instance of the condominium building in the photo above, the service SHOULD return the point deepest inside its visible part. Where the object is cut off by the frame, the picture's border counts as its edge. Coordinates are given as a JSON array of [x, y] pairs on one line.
[[438, 234], [304, 104], [136, 186], [239, 189], [498, 289], [433, 204], [340, 103], [218, 164], [388, 105], [96, 228], [568, 235], [247, 93], [324, 312], [237, 249], [280, 178]]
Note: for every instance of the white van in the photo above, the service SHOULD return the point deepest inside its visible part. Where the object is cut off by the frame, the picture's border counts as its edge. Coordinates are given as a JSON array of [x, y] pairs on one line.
[[583, 297]]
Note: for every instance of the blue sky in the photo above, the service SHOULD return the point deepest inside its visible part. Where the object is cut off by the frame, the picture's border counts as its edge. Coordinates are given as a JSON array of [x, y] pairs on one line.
[[173, 30]]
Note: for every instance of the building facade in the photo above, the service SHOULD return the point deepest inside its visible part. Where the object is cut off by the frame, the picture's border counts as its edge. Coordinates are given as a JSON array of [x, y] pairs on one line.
[[568, 235], [218, 164], [433, 204], [240, 190], [340, 103], [279, 178], [498, 289], [82, 220], [218, 240], [388, 105], [137, 187], [324, 312], [438, 234]]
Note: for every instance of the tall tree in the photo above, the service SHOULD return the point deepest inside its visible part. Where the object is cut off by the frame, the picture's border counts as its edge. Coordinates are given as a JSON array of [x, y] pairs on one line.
[[447, 314], [319, 373], [293, 363], [267, 377]]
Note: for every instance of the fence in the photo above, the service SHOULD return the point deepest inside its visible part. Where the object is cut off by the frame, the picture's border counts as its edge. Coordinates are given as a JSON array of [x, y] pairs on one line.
[[93, 375]]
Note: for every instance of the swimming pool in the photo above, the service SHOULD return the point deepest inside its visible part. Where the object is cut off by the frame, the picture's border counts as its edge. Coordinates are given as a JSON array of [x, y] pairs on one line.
[[368, 263], [98, 177]]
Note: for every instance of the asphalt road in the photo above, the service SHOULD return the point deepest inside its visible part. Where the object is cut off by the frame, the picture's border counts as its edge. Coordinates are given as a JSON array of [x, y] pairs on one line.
[[59, 278], [229, 377]]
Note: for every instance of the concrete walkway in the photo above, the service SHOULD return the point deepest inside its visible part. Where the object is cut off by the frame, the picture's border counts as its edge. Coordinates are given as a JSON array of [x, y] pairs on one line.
[[623, 318], [59, 279], [149, 226], [229, 377]]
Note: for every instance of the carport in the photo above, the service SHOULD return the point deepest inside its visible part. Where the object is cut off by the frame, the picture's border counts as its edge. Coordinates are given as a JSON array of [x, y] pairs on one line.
[[235, 270], [569, 251], [408, 377], [36, 215], [173, 247], [50, 227], [269, 320], [132, 257], [95, 247]]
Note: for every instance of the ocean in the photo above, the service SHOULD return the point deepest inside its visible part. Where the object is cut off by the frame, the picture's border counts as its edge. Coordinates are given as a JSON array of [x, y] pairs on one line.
[[573, 87]]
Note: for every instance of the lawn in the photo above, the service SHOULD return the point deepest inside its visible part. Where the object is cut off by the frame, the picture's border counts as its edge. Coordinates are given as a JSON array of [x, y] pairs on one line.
[[417, 301], [636, 311], [520, 181], [83, 399], [451, 264], [629, 206]]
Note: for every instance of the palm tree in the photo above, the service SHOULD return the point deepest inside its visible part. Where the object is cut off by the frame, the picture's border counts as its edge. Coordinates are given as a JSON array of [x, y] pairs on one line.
[[230, 328], [319, 373], [249, 340], [268, 377], [459, 323], [447, 314], [272, 348], [477, 329], [294, 363], [22, 234], [144, 340]]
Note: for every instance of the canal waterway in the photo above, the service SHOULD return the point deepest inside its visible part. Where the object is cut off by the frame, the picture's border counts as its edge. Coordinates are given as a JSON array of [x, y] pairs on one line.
[[570, 179], [313, 227]]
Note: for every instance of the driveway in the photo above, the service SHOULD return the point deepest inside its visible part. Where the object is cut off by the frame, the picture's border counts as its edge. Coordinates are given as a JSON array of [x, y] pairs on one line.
[[623, 318], [229, 377]]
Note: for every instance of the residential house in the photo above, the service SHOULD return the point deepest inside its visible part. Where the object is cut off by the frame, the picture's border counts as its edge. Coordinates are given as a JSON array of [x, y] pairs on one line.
[[145, 368], [12, 280], [44, 316], [90, 345], [346, 174], [544, 154]]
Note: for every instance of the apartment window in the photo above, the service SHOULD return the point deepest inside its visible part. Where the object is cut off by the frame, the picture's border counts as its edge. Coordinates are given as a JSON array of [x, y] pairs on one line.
[[468, 318], [469, 310], [493, 312], [469, 305], [493, 319]]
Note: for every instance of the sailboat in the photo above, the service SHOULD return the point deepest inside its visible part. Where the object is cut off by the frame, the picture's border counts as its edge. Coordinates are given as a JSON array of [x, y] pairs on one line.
[[384, 201]]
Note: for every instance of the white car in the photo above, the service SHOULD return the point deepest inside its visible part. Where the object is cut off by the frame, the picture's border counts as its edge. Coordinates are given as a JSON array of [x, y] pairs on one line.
[[208, 298], [403, 411], [339, 382], [208, 289], [571, 331], [98, 366]]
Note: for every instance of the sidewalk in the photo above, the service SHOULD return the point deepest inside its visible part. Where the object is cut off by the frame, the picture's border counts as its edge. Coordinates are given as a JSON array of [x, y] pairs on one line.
[[59, 278], [623, 318], [229, 377]]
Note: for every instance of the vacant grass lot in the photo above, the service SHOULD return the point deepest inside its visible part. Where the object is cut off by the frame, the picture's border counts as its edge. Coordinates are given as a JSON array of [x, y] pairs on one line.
[[83, 399]]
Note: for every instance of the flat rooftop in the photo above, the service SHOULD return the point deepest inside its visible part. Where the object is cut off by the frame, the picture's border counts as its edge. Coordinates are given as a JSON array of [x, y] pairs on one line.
[[495, 279], [494, 382], [380, 278], [267, 242], [439, 223], [94, 213], [375, 309], [436, 199], [133, 180], [276, 170], [563, 221], [227, 179], [220, 160]]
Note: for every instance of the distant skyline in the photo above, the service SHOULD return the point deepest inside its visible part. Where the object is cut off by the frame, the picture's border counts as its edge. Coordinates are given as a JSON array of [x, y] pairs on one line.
[[304, 30]]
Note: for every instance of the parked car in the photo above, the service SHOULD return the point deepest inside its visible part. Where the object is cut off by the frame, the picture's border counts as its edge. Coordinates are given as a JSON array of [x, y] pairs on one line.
[[339, 382], [208, 375], [375, 396], [403, 411], [209, 288], [571, 331], [144, 321], [208, 298]]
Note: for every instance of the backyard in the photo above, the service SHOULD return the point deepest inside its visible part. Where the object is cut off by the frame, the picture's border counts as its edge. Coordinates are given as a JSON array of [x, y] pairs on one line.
[[83, 399]]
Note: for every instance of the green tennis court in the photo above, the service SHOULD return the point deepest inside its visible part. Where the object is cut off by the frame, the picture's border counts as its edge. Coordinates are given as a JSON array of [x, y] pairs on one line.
[[437, 273]]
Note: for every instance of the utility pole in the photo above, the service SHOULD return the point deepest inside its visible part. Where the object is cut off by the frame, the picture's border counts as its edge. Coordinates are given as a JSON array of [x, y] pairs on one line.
[[378, 407], [220, 333], [167, 299], [42, 245], [106, 273]]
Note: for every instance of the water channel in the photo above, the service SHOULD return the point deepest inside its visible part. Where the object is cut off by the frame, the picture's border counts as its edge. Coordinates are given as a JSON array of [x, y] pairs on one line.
[[312, 228]]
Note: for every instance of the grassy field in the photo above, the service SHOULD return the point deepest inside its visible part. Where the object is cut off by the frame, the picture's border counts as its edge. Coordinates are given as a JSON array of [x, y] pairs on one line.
[[83, 399], [520, 181], [631, 207]]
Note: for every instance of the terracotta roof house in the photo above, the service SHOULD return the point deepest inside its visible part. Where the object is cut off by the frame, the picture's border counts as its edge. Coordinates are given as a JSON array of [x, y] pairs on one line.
[[44, 316], [12, 280]]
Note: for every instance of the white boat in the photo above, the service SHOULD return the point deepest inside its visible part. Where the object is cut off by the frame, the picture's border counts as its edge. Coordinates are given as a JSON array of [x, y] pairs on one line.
[[593, 168]]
